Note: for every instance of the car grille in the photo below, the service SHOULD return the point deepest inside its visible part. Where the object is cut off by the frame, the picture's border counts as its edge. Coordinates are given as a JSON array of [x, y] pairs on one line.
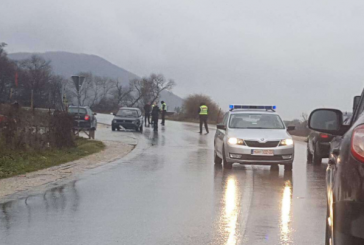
[[261, 158], [252, 143], [124, 121]]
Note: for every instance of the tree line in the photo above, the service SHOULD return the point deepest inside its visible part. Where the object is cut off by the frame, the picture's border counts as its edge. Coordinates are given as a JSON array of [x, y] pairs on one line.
[[33, 79]]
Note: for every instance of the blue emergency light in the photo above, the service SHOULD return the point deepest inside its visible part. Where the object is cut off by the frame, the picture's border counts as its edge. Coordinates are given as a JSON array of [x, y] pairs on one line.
[[253, 107]]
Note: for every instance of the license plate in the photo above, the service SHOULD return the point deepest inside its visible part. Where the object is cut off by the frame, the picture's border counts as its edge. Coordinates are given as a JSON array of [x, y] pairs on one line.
[[263, 152]]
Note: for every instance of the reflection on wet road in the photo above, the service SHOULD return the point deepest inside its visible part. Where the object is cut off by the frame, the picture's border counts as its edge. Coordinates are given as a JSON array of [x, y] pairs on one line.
[[168, 191]]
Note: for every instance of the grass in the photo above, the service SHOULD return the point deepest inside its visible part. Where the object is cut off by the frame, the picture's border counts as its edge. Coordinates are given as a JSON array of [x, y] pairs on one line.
[[14, 162]]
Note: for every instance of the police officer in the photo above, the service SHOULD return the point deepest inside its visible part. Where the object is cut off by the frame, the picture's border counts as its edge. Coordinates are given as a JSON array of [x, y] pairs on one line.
[[147, 109], [164, 111], [203, 112], [155, 116]]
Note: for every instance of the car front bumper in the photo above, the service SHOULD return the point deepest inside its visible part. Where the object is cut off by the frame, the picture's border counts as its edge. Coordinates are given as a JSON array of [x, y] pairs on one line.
[[125, 125], [243, 155]]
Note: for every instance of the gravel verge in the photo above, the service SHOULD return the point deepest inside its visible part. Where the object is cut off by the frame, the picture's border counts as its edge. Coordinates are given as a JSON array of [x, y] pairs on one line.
[[113, 151]]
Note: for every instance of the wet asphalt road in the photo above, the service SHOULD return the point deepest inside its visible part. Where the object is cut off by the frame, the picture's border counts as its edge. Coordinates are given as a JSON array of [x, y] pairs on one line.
[[168, 191]]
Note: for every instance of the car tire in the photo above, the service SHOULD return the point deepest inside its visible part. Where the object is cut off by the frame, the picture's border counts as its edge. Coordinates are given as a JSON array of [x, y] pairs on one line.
[[227, 165], [309, 155], [217, 159], [113, 128], [141, 129], [316, 159], [288, 167]]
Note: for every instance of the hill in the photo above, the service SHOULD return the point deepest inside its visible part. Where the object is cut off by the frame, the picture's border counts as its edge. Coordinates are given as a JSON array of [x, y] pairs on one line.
[[67, 64]]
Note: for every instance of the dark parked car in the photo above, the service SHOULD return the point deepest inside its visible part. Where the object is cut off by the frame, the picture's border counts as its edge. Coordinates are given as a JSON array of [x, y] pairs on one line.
[[344, 174], [83, 117], [128, 118]]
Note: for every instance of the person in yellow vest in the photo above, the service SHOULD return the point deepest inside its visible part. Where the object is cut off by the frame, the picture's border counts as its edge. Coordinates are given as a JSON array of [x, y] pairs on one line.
[[203, 112]]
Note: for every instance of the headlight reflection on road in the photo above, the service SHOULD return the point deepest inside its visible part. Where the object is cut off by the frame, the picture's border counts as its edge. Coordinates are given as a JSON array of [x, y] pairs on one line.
[[231, 209], [286, 211]]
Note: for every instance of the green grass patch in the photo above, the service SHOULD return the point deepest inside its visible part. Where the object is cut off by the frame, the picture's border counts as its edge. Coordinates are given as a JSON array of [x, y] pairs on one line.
[[20, 162]]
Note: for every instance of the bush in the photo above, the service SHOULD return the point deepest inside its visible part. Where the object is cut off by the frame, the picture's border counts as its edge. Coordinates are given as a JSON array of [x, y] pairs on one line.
[[34, 130], [192, 104]]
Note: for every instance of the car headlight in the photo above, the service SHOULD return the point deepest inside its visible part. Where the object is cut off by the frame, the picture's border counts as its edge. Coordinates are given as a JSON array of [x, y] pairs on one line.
[[286, 142], [114, 121], [235, 141]]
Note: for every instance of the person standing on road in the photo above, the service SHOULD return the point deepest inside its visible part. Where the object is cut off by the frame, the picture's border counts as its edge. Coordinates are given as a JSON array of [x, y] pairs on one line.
[[164, 111], [203, 112], [147, 109], [155, 116]]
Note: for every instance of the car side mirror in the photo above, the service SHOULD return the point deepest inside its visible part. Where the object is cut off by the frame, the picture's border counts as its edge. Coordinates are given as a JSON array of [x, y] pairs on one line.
[[95, 113], [113, 114], [326, 121], [291, 128], [221, 126]]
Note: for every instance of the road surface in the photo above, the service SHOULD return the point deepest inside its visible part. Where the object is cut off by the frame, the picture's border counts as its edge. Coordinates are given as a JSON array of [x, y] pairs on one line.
[[168, 191]]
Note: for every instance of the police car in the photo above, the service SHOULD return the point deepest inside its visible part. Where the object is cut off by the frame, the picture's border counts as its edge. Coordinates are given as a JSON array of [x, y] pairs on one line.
[[253, 135]]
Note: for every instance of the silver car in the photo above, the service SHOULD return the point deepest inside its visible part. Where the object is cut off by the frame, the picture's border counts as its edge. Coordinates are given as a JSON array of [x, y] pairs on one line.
[[253, 135]]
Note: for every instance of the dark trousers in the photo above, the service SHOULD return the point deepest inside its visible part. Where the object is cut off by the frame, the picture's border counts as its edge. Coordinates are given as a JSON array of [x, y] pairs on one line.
[[163, 117], [203, 120], [147, 118], [155, 123]]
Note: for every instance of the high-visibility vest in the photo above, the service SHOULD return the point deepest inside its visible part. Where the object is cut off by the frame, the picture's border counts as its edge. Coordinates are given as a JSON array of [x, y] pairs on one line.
[[165, 106], [204, 110]]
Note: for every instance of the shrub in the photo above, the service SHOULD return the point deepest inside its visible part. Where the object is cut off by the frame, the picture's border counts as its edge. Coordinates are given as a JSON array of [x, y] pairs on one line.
[[191, 106]]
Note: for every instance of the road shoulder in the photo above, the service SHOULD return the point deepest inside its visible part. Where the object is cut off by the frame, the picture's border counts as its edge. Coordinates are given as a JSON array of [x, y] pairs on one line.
[[113, 151]]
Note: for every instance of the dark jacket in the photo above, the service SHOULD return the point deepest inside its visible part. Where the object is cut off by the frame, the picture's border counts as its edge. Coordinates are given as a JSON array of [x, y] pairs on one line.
[[147, 109], [155, 112]]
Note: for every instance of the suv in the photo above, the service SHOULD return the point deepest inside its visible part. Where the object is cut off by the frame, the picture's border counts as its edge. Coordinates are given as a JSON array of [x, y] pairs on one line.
[[344, 174], [253, 135], [83, 117], [128, 118]]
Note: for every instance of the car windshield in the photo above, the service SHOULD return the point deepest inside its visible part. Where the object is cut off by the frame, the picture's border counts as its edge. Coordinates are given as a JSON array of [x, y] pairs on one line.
[[127, 113], [75, 110], [256, 121]]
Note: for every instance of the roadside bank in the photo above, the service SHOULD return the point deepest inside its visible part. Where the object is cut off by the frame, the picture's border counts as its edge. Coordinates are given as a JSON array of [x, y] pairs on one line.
[[112, 150]]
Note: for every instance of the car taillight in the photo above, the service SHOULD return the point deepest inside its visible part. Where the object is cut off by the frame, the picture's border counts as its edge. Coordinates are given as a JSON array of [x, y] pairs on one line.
[[324, 136], [357, 143], [87, 117]]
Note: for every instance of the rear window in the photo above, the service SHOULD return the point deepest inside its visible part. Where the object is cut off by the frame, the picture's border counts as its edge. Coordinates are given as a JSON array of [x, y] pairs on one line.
[[73, 110], [127, 113]]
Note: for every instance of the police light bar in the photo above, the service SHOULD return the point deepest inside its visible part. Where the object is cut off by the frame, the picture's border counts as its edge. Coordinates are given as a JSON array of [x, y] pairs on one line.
[[253, 107]]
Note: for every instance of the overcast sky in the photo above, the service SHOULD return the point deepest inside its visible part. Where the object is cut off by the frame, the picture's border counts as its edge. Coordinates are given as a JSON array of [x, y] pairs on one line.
[[298, 55]]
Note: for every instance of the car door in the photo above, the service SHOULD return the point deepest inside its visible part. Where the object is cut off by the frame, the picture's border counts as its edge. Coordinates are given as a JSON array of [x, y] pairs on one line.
[[220, 135], [334, 156]]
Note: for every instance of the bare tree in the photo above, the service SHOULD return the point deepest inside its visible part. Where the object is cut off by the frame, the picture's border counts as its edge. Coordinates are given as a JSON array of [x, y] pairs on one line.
[[35, 76], [148, 89], [122, 93]]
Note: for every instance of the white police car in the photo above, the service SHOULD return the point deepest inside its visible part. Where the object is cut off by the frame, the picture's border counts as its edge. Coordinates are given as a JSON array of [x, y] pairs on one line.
[[253, 135]]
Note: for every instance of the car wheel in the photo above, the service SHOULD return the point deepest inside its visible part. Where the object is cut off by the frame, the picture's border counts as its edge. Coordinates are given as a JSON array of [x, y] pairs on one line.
[[227, 165], [309, 155], [316, 159], [288, 167], [217, 159], [113, 128], [141, 129]]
